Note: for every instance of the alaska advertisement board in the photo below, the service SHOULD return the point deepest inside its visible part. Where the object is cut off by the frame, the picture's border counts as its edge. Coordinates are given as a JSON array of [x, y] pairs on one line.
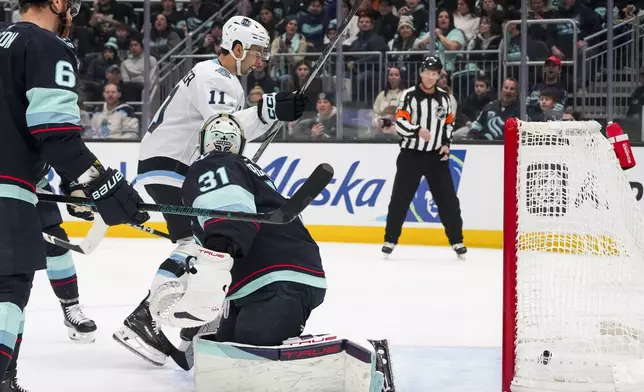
[[353, 207]]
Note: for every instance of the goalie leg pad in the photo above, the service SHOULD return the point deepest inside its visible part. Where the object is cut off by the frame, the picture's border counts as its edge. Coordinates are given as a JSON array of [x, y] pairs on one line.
[[322, 364], [190, 287]]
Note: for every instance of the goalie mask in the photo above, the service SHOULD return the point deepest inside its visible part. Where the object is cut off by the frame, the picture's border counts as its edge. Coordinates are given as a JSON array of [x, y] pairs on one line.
[[223, 133]]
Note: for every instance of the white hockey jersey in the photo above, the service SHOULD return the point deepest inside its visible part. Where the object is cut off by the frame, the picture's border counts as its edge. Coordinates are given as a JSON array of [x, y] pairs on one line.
[[172, 140]]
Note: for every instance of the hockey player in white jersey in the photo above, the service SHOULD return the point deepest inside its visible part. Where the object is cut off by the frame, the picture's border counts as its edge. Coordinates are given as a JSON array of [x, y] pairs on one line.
[[171, 144]]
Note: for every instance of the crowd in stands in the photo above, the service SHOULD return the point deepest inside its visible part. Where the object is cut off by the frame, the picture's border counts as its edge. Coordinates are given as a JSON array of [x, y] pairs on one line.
[[107, 36]]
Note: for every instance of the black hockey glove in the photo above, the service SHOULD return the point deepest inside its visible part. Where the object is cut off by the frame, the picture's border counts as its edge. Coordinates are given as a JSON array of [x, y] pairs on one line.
[[115, 199], [74, 189], [282, 106]]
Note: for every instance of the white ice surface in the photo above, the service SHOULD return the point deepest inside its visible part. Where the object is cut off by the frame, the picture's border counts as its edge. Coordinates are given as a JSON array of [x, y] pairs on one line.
[[442, 317]]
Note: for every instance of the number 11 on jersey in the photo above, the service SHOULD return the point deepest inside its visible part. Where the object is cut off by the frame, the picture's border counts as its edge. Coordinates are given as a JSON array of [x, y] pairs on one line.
[[213, 97]]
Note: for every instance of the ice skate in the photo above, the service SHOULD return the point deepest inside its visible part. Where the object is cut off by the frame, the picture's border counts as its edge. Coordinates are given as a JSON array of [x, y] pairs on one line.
[[10, 383], [460, 250], [79, 327], [141, 335], [387, 248]]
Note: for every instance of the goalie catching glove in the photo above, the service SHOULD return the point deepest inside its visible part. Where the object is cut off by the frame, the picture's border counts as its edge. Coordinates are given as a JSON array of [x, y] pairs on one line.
[[282, 106], [190, 287]]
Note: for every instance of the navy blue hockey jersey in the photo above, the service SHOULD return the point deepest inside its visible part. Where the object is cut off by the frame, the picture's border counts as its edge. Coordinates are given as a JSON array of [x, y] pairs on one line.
[[266, 253], [39, 110]]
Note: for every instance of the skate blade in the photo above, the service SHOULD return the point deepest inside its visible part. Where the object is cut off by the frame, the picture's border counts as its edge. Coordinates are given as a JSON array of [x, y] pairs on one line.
[[461, 257], [81, 337], [128, 339]]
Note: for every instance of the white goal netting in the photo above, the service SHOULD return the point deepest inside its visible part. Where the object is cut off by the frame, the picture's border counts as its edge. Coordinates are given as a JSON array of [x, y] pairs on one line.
[[579, 264]]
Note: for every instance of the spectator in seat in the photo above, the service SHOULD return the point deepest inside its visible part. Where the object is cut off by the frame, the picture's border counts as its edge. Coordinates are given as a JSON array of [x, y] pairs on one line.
[[130, 91], [448, 37], [112, 10], [267, 19], [490, 123], [473, 105], [465, 20], [301, 72], [163, 37], [588, 22], [312, 26], [539, 10], [351, 33], [636, 100], [323, 125], [331, 32], [548, 110], [406, 40], [367, 67], [415, 9], [98, 66], [488, 38], [290, 42], [116, 120], [174, 17], [387, 98], [132, 68], [260, 77], [514, 40], [212, 41], [490, 6], [255, 95], [551, 81], [122, 36], [197, 12], [388, 21]]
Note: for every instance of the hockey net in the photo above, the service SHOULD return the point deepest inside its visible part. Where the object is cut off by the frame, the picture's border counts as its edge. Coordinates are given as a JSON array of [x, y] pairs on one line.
[[573, 263]]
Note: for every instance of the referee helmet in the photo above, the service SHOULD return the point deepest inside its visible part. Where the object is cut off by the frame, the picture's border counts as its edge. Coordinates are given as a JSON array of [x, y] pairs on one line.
[[432, 63]]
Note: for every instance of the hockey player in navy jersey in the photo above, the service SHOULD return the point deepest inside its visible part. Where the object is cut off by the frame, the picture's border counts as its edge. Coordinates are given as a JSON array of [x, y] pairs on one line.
[[270, 276], [40, 126]]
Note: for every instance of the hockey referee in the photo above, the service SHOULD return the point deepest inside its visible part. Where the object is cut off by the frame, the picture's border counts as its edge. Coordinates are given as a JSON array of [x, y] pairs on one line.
[[425, 122]]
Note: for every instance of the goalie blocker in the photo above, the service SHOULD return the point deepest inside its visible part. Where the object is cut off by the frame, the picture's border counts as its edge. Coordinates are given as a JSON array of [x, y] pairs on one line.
[[307, 363]]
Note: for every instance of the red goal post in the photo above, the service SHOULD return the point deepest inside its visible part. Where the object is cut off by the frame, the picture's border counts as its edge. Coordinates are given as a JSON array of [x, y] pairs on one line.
[[573, 314]]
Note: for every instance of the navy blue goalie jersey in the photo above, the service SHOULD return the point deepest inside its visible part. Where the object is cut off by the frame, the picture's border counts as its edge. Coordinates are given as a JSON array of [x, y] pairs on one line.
[[266, 253], [39, 110]]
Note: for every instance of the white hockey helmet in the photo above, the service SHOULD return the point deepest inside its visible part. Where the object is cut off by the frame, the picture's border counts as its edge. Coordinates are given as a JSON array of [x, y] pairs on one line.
[[247, 32], [222, 132]]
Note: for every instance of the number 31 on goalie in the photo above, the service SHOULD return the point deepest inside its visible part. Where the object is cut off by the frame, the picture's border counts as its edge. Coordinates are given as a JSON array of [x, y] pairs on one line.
[[208, 180]]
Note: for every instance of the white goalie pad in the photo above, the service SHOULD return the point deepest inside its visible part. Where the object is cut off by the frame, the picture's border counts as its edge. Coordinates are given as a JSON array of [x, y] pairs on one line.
[[326, 364], [196, 297]]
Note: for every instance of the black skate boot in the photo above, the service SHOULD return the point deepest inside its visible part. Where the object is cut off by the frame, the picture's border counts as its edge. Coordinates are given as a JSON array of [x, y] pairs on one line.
[[387, 248], [460, 250], [10, 382], [142, 335], [79, 328]]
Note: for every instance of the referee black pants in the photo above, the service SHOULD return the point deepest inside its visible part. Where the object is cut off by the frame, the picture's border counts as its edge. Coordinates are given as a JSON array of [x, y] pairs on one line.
[[411, 166]]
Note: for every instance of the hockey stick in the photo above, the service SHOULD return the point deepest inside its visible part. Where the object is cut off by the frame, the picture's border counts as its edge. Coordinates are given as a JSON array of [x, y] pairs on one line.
[[95, 234], [274, 129], [293, 207]]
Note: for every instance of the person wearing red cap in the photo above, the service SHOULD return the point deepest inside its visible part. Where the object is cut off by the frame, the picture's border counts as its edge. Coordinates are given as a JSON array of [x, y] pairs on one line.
[[551, 81]]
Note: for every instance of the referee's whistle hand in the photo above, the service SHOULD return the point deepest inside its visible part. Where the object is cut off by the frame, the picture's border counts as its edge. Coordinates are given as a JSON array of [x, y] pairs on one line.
[[424, 134]]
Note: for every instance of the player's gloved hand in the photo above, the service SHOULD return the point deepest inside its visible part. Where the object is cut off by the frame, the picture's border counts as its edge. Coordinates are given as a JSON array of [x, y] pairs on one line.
[[282, 106], [194, 294], [115, 199], [74, 189]]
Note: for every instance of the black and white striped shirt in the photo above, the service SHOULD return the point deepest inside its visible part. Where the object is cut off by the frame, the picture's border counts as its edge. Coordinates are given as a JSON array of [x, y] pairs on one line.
[[417, 110]]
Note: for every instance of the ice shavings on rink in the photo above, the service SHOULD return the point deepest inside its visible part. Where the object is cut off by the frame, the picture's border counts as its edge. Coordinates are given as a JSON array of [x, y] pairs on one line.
[[442, 317]]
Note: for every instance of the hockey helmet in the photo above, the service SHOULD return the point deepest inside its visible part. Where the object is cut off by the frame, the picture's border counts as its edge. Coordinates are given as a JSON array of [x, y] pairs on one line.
[[72, 5], [247, 32], [222, 132], [432, 63]]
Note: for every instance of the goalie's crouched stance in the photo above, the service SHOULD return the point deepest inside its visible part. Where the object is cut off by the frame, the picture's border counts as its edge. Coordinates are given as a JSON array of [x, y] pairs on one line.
[[268, 277]]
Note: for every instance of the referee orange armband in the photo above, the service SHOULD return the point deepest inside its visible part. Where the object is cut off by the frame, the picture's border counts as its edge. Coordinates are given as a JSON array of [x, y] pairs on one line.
[[403, 114]]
